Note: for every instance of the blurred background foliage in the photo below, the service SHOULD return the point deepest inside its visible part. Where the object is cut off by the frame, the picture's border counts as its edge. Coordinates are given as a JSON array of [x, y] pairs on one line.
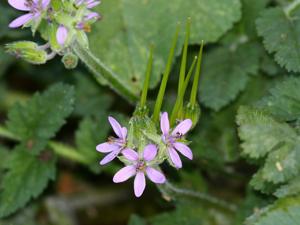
[[246, 144]]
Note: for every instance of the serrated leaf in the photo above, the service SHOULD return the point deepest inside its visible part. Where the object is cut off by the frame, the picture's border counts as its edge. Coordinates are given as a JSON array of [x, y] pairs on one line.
[[261, 133], [282, 164], [283, 101], [284, 211], [36, 121], [27, 177], [280, 34], [131, 26], [225, 74], [265, 138], [291, 188]]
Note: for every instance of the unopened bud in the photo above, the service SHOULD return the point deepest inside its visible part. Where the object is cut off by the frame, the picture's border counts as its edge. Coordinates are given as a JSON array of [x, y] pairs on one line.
[[70, 61], [192, 112], [28, 51]]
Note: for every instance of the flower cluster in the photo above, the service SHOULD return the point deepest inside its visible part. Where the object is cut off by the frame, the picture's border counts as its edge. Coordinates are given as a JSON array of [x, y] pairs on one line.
[[59, 22], [142, 154]]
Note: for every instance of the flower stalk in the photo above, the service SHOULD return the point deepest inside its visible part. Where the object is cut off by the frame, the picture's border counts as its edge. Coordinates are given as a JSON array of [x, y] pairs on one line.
[[147, 79], [162, 89]]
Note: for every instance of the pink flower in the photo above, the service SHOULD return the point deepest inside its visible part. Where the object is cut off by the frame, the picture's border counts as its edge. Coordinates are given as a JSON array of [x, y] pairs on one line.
[[89, 3], [171, 140], [61, 35], [138, 167], [114, 145], [33, 7]]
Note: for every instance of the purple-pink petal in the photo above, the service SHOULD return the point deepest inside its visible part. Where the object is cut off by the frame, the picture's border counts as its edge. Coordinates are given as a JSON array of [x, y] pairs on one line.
[[130, 154], [124, 174], [107, 147], [155, 176], [184, 150], [139, 184], [150, 152], [45, 3], [19, 4], [61, 35], [116, 127], [20, 21], [124, 133], [183, 127], [175, 158], [92, 3], [164, 123], [109, 157], [92, 15]]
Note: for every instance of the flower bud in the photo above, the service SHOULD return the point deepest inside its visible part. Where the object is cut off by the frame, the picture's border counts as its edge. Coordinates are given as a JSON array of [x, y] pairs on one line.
[[192, 112], [70, 61], [28, 51]]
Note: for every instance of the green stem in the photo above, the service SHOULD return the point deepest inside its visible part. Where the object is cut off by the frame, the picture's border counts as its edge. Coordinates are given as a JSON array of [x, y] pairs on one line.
[[184, 56], [180, 97], [165, 78], [194, 91], [59, 148], [201, 196], [147, 79], [289, 8], [104, 74]]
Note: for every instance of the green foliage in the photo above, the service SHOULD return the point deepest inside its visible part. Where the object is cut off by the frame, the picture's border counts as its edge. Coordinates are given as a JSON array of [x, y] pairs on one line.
[[284, 100], [280, 31], [130, 27], [261, 133], [221, 84], [91, 99], [190, 213], [35, 122], [277, 142], [26, 178], [136, 220], [283, 211], [266, 135], [90, 133]]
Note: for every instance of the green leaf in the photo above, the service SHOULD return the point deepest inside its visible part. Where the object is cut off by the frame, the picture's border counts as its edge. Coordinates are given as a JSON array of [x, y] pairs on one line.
[[261, 133], [282, 164], [283, 101], [136, 220], [284, 211], [36, 121], [291, 188], [190, 213], [5, 61], [27, 177], [90, 97], [251, 9], [131, 26], [225, 73], [277, 142], [91, 133], [281, 36]]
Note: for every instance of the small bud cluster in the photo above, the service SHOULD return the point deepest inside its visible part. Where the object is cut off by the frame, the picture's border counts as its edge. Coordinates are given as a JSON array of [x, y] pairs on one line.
[[60, 23]]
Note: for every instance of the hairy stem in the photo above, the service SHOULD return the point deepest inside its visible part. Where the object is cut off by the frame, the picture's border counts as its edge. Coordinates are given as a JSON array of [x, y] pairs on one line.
[[170, 188], [103, 74], [289, 8]]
